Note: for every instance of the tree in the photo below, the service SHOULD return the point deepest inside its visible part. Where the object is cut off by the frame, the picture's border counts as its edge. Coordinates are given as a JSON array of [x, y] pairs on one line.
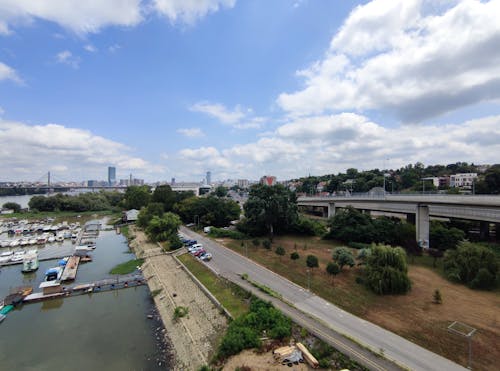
[[163, 228], [280, 251], [211, 210], [363, 255], [350, 225], [386, 270], [166, 196], [343, 256], [312, 261], [12, 206], [136, 197], [147, 213], [472, 264], [270, 208], [220, 191], [267, 244], [256, 242], [333, 269], [443, 238], [294, 255]]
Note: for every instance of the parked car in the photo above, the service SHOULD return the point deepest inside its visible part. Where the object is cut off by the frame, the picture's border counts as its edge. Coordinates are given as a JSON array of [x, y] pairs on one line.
[[206, 256], [199, 252], [195, 250]]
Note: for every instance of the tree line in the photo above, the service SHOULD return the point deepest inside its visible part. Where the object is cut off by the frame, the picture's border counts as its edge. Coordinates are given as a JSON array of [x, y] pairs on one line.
[[407, 178]]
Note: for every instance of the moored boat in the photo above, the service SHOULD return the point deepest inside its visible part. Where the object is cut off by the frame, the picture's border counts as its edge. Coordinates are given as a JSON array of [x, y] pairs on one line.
[[30, 262], [53, 274]]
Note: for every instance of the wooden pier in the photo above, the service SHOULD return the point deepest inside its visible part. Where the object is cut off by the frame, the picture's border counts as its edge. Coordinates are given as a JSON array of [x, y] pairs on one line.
[[70, 269], [122, 282]]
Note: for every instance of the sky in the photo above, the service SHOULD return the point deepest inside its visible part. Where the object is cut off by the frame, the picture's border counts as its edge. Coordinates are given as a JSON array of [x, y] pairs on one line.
[[165, 89]]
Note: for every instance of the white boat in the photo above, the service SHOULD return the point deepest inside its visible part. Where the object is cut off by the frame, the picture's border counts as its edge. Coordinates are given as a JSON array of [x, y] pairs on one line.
[[5, 243], [51, 239], [14, 243], [32, 241], [6, 253], [30, 262], [41, 240], [4, 259], [59, 238], [24, 242]]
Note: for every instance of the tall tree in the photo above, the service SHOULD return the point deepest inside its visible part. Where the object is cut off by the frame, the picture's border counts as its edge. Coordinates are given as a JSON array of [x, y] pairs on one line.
[[136, 197], [332, 269], [386, 270], [271, 208], [164, 195]]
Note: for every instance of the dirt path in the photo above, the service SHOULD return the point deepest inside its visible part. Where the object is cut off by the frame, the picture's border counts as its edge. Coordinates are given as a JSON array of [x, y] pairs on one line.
[[193, 336]]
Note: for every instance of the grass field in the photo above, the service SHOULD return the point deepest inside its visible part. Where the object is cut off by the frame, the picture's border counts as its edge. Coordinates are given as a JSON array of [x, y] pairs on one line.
[[229, 295], [413, 316], [127, 267]]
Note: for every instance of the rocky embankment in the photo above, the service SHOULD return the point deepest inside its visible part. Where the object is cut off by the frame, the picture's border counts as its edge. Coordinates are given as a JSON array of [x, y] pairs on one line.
[[193, 336]]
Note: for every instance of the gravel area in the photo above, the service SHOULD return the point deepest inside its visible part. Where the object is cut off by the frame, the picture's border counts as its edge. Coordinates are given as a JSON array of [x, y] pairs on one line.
[[193, 336]]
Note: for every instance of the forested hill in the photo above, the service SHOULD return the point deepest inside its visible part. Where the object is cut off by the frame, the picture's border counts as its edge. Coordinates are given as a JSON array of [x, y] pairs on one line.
[[407, 178]]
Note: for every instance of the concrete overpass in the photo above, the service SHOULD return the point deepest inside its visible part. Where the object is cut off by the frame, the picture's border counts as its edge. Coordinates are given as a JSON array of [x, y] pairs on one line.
[[418, 208]]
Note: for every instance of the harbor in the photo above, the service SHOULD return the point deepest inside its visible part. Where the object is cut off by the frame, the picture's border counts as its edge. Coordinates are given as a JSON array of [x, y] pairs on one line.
[[88, 299]]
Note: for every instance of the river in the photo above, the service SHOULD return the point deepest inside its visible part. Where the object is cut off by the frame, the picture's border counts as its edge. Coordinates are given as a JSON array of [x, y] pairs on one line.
[[107, 330]]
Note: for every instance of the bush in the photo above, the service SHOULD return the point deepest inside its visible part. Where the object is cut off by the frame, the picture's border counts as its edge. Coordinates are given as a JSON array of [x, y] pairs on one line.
[[221, 233], [294, 255], [267, 244], [472, 264], [343, 256], [359, 245], [312, 261], [308, 227], [256, 242]]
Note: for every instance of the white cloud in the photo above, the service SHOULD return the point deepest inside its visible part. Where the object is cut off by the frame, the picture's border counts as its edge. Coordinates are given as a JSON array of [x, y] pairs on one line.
[[66, 57], [410, 58], [189, 11], [81, 17], [8, 73], [332, 143], [238, 117], [192, 133], [52, 146], [90, 16], [113, 48], [90, 48]]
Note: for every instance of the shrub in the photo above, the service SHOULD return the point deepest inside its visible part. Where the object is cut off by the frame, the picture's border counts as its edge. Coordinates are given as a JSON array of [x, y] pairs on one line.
[[256, 242], [386, 270], [343, 256], [472, 264], [309, 227], [312, 261], [267, 244], [359, 245], [221, 233], [180, 312], [437, 297], [280, 251], [294, 255]]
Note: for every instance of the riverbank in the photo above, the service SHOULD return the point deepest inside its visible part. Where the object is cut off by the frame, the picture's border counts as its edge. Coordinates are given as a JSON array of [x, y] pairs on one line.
[[193, 337]]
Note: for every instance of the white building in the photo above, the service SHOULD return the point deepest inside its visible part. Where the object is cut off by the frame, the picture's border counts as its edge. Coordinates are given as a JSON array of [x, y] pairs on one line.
[[463, 180]]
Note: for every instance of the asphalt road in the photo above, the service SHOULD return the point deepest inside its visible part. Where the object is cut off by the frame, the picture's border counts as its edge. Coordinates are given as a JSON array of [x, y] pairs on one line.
[[403, 352]]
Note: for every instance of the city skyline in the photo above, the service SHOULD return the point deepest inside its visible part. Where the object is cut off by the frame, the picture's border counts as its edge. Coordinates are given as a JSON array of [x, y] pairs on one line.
[[245, 89]]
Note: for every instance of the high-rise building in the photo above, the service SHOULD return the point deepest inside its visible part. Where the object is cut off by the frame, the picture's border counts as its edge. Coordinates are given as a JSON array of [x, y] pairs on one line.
[[243, 183], [209, 177], [111, 175]]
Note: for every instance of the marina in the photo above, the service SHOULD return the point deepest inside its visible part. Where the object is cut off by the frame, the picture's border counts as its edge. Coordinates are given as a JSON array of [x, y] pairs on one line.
[[56, 310]]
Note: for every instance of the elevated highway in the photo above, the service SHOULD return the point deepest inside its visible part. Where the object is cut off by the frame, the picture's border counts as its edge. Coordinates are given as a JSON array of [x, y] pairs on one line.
[[418, 208]]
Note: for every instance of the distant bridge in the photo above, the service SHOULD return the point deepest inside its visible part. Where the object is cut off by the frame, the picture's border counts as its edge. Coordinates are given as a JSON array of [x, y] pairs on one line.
[[418, 208]]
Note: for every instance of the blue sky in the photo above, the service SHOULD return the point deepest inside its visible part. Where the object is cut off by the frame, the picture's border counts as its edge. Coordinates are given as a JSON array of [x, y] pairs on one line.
[[172, 88]]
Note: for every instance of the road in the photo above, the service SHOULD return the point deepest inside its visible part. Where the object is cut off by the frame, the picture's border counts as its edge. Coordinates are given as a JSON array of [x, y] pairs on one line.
[[231, 265]]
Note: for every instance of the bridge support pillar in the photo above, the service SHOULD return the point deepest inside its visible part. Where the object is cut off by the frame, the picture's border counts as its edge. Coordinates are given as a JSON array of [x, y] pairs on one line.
[[423, 226], [484, 230], [411, 218], [330, 210]]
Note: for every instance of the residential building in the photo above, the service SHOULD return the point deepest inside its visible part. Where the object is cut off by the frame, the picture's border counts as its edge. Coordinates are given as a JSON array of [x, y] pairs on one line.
[[268, 180], [243, 183], [463, 180]]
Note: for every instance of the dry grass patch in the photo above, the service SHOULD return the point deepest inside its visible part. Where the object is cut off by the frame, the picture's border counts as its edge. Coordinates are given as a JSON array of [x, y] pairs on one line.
[[413, 316]]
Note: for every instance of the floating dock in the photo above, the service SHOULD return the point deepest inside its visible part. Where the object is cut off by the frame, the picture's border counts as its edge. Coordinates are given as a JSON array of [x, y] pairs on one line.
[[70, 269]]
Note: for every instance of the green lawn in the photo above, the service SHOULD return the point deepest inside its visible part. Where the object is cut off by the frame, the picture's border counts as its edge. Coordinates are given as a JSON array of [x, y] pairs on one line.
[[127, 267], [229, 295]]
